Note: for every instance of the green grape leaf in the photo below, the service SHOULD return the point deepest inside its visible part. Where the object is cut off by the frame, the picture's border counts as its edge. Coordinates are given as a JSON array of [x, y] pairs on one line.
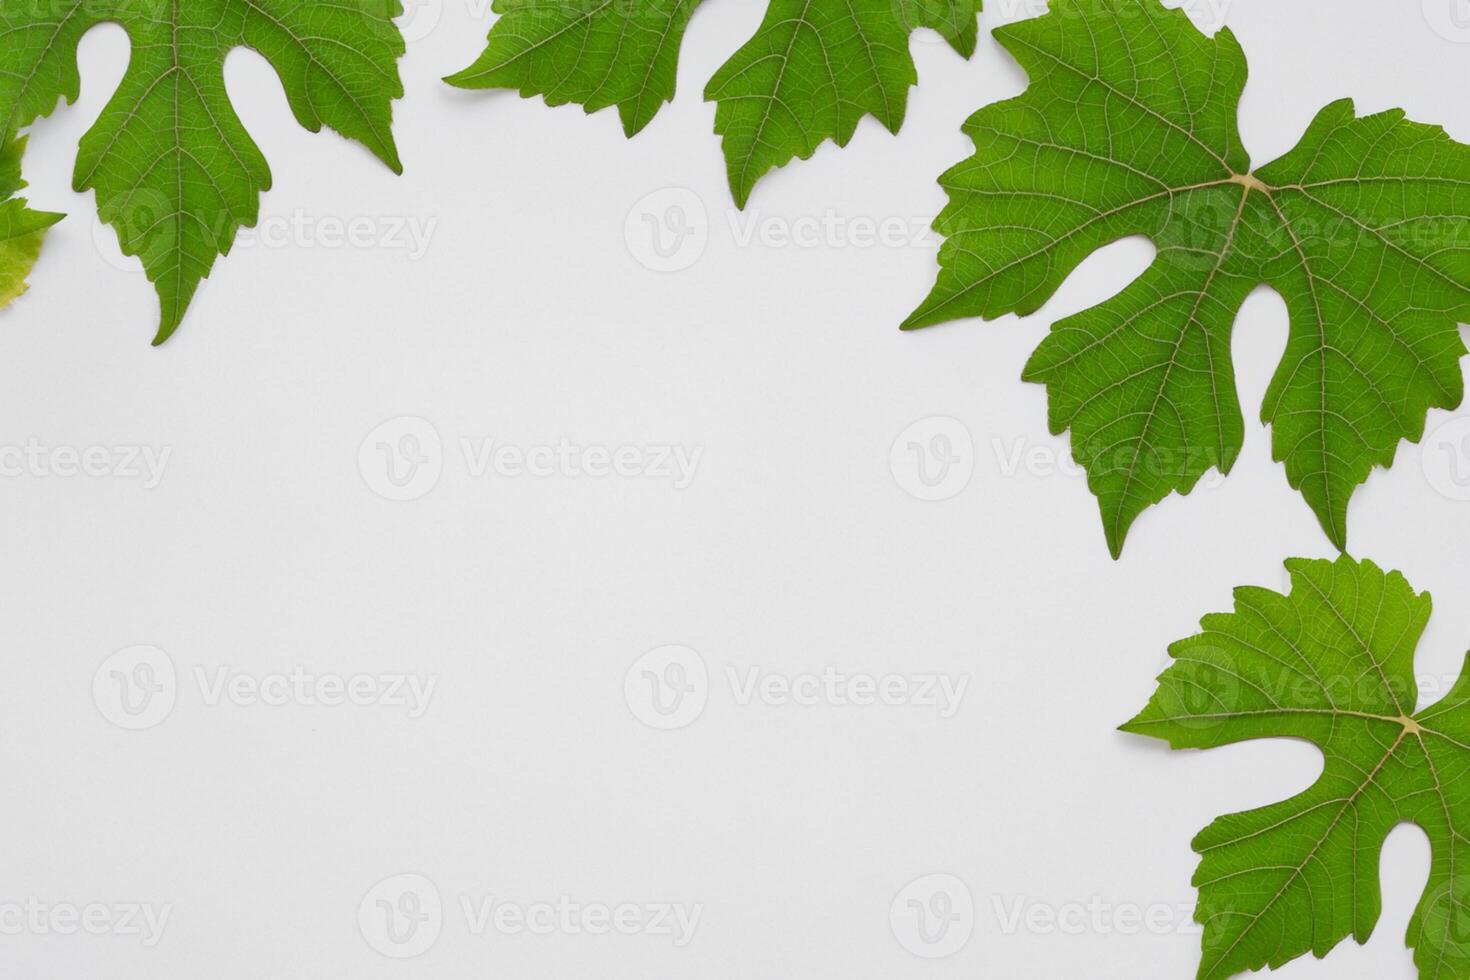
[[21, 229], [810, 74], [1332, 662], [175, 172], [1128, 128]]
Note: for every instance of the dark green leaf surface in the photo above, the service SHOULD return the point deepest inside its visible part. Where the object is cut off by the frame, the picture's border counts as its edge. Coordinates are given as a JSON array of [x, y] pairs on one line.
[[812, 71], [174, 170], [1129, 128], [1332, 663]]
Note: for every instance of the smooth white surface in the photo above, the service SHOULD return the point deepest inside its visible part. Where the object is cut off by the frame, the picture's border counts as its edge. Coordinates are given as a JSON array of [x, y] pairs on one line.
[[529, 320]]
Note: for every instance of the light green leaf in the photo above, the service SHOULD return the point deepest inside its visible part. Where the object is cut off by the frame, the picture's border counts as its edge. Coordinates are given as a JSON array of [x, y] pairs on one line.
[[1129, 128], [1331, 663], [811, 72], [21, 229], [174, 170]]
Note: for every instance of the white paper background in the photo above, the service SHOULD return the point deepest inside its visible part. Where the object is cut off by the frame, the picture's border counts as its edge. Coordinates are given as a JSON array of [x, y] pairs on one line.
[[529, 320]]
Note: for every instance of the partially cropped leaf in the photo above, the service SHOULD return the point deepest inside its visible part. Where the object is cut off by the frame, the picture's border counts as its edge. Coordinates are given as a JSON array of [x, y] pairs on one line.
[[812, 71], [174, 170], [21, 229], [1331, 663], [1129, 128]]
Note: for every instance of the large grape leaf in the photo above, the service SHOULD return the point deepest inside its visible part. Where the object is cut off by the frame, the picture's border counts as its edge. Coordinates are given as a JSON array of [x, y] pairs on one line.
[[21, 229], [174, 170], [1128, 127], [812, 71], [1332, 663]]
